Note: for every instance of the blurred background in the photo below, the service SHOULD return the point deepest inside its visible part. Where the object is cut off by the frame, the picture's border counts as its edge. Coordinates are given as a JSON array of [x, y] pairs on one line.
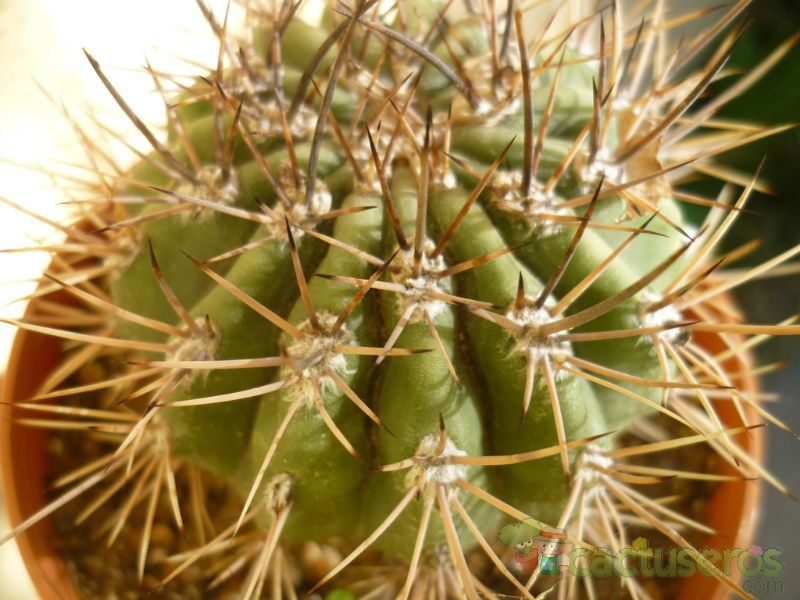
[[41, 41], [775, 100]]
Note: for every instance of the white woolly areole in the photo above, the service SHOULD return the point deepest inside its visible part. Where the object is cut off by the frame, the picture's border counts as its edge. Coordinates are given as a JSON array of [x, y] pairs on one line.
[[156, 434], [600, 166], [262, 76], [264, 114], [591, 478], [397, 148], [362, 152], [530, 342], [278, 492], [420, 289], [403, 148], [321, 200], [668, 315], [268, 122], [446, 179], [507, 195], [128, 244], [486, 85], [197, 347], [211, 187], [435, 467], [299, 211], [316, 354], [367, 186]]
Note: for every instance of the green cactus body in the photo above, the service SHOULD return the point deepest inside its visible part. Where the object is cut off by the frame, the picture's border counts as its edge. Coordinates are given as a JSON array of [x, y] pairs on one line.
[[482, 409]]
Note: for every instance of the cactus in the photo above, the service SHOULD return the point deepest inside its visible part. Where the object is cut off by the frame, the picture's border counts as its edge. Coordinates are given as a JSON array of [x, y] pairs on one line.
[[408, 275]]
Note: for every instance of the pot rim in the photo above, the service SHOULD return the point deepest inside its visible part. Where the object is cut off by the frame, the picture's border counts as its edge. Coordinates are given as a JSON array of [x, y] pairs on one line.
[[24, 472]]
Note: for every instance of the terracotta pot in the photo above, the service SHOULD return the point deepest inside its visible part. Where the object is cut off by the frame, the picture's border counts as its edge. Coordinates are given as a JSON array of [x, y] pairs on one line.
[[24, 465], [732, 510]]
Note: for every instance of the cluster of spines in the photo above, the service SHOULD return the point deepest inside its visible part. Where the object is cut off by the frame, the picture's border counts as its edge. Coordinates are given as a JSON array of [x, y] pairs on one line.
[[87, 256]]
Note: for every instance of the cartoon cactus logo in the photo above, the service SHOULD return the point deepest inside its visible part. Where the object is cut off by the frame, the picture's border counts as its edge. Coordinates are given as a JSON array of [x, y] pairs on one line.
[[404, 276]]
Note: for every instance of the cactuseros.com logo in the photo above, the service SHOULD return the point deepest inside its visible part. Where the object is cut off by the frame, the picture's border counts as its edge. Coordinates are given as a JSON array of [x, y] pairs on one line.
[[551, 552]]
